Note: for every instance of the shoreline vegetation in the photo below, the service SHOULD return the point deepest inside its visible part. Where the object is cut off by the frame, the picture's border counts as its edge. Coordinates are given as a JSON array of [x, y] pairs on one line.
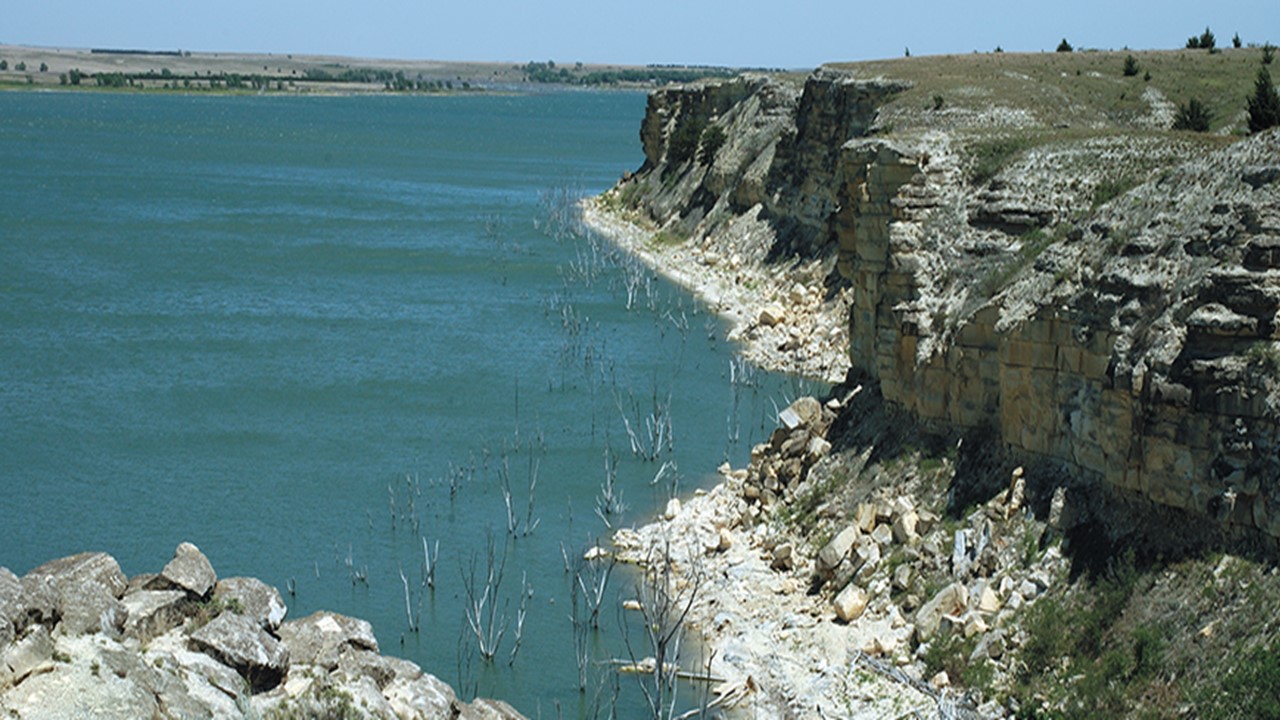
[[142, 70]]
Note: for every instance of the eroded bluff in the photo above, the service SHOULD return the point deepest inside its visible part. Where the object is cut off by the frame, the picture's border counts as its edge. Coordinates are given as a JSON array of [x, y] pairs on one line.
[[1127, 337]]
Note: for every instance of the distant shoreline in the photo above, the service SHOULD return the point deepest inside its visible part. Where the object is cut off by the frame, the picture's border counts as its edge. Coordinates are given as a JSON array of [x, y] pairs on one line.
[[131, 69]]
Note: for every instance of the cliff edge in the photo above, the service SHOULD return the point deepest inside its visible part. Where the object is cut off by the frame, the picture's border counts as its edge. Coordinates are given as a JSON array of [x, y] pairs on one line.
[[1101, 297], [1047, 483]]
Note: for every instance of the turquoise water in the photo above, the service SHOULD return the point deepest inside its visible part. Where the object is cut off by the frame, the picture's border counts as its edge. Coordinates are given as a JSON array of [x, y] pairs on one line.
[[307, 333]]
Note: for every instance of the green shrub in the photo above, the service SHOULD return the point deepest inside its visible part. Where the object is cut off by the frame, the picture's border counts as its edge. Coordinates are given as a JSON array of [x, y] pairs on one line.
[[713, 139], [1264, 105], [329, 703], [1148, 651], [1207, 40], [1203, 41], [950, 650], [1263, 355], [1108, 190], [1130, 66], [684, 140], [1268, 53], [992, 155], [1064, 46], [1068, 638], [1193, 116], [1248, 687]]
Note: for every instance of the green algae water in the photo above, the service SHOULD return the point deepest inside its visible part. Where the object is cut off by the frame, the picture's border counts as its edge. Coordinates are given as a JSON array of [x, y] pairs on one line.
[[313, 335]]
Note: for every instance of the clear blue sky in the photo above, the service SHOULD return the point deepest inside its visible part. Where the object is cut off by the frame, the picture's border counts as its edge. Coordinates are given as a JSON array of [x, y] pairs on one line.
[[795, 34]]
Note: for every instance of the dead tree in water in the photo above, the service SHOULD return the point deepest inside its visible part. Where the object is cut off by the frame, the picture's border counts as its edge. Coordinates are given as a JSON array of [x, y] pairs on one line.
[[609, 501], [488, 624], [650, 433], [664, 601]]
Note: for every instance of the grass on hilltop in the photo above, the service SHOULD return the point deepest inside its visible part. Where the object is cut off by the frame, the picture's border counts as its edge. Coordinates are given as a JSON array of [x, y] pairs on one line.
[[1080, 89]]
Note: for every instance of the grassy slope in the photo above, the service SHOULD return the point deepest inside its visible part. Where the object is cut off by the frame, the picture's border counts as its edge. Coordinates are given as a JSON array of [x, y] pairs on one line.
[[1081, 89]]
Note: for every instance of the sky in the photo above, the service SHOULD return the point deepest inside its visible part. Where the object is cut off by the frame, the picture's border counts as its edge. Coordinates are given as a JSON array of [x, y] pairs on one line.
[[798, 34]]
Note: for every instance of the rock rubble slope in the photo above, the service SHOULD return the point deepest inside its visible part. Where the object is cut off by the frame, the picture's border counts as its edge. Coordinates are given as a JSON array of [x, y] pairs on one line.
[[80, 640]]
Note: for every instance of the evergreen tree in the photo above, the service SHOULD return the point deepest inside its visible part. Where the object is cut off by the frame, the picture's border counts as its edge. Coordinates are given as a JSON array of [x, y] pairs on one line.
[[1064, 46], [1264, 106], [1235, 41], [1193, 116], [1203, 41], [1130, 66]]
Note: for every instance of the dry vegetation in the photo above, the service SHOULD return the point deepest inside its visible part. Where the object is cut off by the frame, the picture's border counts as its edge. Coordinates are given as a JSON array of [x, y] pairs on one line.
[[1079, 90]]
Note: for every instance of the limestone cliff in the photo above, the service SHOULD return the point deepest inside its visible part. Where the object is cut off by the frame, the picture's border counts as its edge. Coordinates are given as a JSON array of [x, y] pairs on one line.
[[78, 640], [1101, 297]]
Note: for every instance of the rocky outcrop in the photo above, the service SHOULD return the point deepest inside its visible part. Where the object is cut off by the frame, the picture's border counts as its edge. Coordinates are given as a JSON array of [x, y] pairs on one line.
[[1134, 348], [758, 146], [1128, 336], [77, 639]]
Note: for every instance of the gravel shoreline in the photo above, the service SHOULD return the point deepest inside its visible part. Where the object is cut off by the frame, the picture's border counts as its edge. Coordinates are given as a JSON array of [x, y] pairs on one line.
[[780, 651], [782, 323]]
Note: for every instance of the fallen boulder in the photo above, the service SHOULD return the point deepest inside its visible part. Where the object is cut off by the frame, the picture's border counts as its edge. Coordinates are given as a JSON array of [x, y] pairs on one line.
[[850, 603], [950, 600], [253, 599], [319, 638], [81, 592], [25, 656], [153, 612], [10, 605], [241, 644], [189, 570]]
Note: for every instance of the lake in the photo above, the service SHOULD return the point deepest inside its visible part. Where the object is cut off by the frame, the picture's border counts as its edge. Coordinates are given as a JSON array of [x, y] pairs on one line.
[[309, 334]]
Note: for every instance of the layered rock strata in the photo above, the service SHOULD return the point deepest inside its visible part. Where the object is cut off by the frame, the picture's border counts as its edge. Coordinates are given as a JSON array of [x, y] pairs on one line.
[[1132, 342]]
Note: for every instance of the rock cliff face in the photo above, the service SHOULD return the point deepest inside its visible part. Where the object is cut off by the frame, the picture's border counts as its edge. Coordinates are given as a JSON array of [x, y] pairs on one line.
[[1102, 301], [80, 640]]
